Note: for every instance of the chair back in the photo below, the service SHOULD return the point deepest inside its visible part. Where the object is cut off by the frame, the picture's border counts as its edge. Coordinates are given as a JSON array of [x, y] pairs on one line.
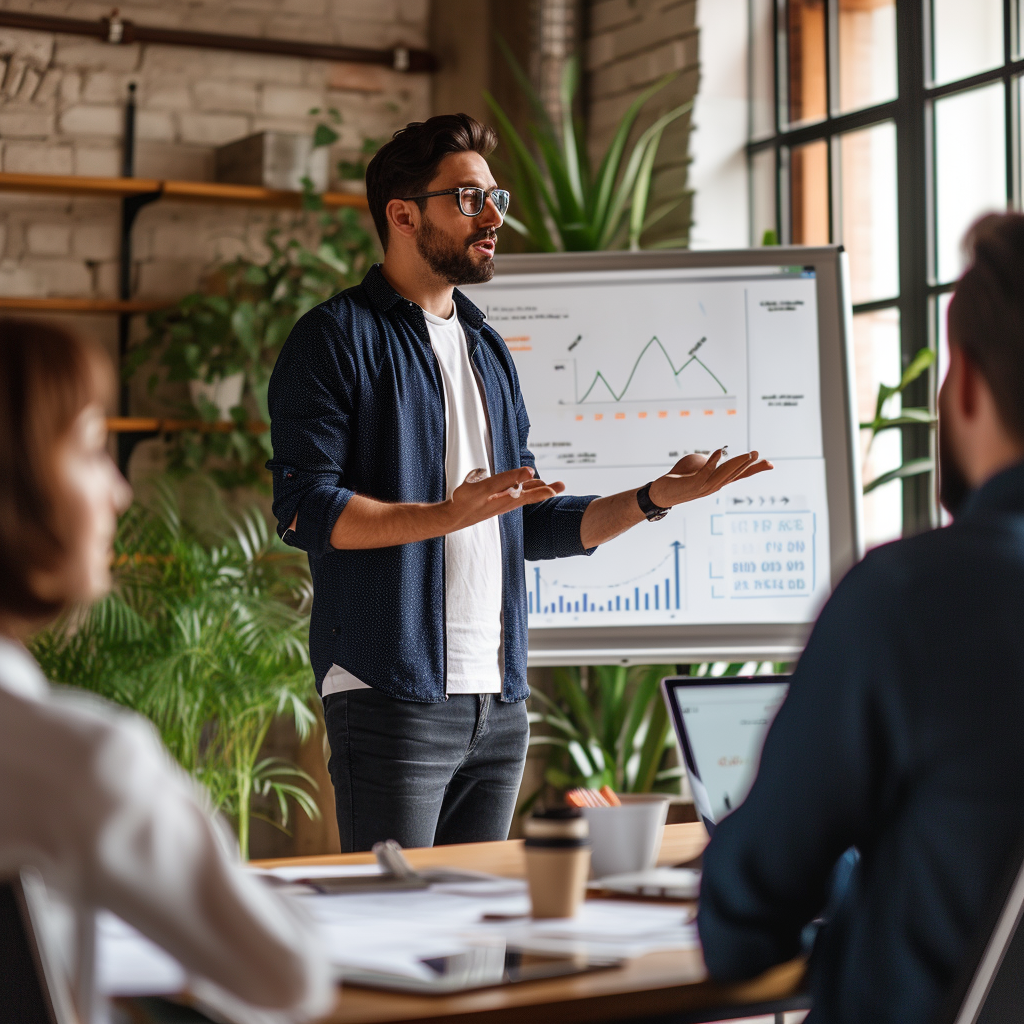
[[994, 991], [33, 989]]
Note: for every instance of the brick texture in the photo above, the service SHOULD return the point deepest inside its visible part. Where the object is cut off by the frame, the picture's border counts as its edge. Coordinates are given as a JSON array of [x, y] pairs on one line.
[[631, 45], [62, 112]]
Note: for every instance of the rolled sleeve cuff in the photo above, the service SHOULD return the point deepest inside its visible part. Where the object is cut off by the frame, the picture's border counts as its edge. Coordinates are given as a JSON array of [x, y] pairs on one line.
[[318, 513], [566, 519]]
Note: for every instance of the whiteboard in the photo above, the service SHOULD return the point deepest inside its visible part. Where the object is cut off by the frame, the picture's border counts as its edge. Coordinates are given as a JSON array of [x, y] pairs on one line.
[[629, 361]]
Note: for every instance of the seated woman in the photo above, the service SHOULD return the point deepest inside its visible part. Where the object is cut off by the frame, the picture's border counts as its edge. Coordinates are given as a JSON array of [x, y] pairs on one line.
[[88, 796]]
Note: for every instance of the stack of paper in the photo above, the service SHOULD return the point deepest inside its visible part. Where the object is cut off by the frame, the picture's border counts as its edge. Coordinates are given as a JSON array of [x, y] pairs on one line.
[[394, 932]]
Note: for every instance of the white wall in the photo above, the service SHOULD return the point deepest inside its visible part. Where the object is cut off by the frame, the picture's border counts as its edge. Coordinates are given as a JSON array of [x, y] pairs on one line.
[[718, 173]]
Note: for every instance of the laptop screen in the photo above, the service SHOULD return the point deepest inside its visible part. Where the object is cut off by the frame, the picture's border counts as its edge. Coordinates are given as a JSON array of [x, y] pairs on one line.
[[721, 726]]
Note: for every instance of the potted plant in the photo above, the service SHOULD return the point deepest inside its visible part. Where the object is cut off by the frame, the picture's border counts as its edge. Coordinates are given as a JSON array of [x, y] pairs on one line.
[[204, 633], [561, 204]]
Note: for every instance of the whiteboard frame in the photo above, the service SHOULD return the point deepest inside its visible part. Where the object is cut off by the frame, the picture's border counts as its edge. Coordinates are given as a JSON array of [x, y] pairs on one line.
[[682, 644]]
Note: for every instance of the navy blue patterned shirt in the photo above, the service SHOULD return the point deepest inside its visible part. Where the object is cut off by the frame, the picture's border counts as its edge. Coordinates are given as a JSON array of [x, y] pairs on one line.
[[357, 407]]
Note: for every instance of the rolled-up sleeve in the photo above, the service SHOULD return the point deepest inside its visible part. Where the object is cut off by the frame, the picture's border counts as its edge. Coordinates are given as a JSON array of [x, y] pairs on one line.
[[311, 403]]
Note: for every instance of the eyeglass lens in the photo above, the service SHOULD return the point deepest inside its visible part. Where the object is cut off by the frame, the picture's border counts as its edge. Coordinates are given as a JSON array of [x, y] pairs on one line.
[[472, 201]]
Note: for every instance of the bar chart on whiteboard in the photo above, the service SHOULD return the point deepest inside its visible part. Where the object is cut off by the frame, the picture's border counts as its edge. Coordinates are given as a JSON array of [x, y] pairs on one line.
[[625, 372]]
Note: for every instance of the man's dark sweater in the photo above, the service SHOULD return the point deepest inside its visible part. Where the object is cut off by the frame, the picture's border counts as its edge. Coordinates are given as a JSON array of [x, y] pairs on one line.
[[902, 736]]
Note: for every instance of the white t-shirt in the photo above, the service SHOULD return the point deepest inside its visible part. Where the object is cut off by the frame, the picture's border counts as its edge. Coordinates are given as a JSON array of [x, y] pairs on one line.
[[472, 557]]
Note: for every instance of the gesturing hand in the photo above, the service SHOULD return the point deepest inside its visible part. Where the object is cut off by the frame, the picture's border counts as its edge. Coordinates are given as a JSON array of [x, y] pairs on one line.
[[478, 498], [695, 476]]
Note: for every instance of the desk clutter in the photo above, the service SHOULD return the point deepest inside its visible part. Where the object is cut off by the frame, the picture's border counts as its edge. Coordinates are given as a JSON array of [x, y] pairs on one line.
[[389, 926]]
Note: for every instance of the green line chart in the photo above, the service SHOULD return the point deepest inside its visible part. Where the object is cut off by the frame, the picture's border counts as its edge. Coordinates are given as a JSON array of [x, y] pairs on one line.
[[619, 396]]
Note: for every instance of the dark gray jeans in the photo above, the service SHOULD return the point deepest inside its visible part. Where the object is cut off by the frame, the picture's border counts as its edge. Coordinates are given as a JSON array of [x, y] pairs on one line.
[[424, 774]]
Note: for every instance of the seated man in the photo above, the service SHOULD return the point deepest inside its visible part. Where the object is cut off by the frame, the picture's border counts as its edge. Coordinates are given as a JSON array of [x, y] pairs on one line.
[[901, 734]]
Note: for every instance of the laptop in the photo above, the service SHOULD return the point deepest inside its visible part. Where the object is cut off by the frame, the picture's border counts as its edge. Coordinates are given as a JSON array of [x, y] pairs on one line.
[[721, 725]]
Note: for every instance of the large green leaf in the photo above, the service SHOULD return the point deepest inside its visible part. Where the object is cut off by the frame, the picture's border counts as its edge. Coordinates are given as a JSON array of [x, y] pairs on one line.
[[914, 467]]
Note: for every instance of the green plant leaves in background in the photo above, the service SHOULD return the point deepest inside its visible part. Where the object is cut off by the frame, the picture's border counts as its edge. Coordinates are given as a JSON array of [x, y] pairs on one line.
[[560, 204], [604, 725], [922, 361], [204, 633]]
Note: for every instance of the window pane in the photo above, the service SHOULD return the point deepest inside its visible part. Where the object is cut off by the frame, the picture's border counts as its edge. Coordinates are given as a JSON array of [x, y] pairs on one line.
[[805, 30], [876, 341], [762, 70], [808, 194], [967, 37], [867, 53], [868, 211], [970, 167], [762, 196], [942, 312]]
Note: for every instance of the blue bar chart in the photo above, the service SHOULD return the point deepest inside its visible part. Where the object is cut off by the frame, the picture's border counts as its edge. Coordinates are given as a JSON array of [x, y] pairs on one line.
[[659, 589]]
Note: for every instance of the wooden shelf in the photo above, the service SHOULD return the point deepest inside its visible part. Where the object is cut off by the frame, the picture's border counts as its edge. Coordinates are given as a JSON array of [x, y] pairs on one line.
[[186, 191], [145, 424], [76, 305]]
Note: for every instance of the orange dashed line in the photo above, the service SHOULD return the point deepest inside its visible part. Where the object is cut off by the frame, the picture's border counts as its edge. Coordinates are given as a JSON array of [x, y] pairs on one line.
[[709, 412], [598, 415], [578, 418], [730, 412], [518, 337], [684, 412], [642, 415], [662, 414], [520, 348], [620, 415]]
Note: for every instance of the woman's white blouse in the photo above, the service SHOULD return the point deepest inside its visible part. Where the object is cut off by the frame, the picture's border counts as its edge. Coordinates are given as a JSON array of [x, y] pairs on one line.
[[90, 798]]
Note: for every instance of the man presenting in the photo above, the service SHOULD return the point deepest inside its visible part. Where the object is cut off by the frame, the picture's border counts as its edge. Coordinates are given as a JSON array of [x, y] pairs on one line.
[[401, 467], [901, 734]]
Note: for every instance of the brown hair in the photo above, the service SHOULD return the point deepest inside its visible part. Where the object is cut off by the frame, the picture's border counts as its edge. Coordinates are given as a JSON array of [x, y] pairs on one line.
[[47, 377], [407, 164], [986, 314]]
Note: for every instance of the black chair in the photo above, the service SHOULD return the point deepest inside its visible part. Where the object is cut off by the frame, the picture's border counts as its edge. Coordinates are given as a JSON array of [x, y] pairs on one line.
[[33, 989], [992, 990]]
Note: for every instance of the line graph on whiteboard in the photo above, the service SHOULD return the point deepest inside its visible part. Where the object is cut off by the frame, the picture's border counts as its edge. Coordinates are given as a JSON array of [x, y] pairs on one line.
[[653, 376]]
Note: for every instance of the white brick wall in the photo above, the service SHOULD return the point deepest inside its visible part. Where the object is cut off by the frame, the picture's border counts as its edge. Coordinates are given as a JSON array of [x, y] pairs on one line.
[[62, 112]]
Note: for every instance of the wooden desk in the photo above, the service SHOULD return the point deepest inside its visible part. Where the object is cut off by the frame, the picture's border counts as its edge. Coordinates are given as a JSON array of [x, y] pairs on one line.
[[670, 986]]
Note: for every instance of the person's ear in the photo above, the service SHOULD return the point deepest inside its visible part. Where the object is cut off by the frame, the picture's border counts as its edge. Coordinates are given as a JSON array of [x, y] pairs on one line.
[[403, 217], [969, 383]]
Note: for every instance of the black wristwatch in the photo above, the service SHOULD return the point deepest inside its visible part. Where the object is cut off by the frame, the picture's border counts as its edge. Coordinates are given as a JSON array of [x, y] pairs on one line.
[[651, 511]]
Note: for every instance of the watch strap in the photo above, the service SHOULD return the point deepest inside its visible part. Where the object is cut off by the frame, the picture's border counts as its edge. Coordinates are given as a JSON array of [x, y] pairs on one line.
[[652, 513]]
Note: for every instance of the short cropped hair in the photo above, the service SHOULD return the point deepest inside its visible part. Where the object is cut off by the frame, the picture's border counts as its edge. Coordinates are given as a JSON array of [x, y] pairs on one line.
[[407, 164], [47, 377], [986, 314]]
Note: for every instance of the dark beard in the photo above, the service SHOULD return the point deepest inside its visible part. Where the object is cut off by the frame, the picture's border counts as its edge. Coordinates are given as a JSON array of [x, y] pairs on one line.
[[451, 260], [954, 487]]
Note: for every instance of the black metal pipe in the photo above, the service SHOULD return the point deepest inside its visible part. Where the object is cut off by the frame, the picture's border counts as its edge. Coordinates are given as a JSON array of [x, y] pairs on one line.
[[119, 31], [130, 206]]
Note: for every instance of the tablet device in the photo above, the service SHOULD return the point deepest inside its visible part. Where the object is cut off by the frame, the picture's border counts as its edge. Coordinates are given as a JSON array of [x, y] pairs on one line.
[[721, 725], [482, 966]]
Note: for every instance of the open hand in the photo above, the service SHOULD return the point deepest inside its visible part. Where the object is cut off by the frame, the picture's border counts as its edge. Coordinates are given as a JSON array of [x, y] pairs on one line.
[[479, 498], [696, 476]]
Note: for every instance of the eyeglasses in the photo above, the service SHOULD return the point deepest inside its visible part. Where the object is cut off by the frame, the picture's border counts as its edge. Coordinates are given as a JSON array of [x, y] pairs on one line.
[[471, 199]]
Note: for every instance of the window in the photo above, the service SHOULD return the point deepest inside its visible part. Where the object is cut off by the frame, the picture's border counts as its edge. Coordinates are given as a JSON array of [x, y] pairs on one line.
[[888, 130]]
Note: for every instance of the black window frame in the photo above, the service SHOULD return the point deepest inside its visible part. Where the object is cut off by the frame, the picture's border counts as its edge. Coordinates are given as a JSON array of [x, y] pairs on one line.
[[913, 113]]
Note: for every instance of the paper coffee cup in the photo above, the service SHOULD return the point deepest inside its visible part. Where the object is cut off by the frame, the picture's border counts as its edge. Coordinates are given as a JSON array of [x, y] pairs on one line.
[[556, 871]]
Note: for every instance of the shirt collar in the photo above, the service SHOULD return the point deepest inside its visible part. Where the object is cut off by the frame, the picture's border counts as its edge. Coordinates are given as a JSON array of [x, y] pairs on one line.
[[19, 673], [1003, 492], [383, 296]]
